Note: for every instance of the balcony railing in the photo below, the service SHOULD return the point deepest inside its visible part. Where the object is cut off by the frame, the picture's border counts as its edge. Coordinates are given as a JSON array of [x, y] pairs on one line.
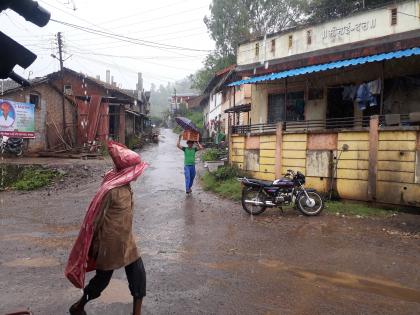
[[258, 128], [331, 123]]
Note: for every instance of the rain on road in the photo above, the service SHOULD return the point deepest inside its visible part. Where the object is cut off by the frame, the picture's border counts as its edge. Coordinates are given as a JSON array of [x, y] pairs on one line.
[[204, 255]]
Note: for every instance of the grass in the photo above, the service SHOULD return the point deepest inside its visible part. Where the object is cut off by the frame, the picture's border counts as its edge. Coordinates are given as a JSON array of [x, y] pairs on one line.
[[229, 188], [34, 178], [357, 209]]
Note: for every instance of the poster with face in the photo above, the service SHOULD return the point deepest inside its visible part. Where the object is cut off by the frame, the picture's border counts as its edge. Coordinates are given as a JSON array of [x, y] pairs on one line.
[[17, 120], [7, 115]]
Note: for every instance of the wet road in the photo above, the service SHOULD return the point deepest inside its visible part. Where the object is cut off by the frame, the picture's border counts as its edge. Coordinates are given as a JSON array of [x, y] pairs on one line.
[[204, 255]]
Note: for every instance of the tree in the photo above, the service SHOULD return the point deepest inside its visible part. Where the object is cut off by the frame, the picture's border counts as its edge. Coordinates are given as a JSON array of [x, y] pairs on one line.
[[318, 11], [233, 21], [213, 63], [160, 97]]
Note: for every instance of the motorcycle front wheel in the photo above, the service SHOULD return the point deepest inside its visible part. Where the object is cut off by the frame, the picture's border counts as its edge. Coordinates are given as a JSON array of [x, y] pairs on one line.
[[312, 206], [255, 195], [18, 152]]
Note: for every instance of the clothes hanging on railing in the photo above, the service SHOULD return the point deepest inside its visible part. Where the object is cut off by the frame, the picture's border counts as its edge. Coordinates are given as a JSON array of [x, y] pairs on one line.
[[364, 97], [375, 87]]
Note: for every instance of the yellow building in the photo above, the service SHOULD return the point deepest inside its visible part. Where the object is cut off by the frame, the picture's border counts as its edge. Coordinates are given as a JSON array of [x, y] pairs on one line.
[[352, 83]]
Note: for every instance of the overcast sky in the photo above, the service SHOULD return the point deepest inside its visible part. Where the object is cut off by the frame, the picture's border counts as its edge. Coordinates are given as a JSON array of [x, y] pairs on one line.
[[172, 22]]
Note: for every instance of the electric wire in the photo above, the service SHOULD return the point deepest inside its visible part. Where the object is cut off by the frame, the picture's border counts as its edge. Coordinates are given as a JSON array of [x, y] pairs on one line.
[[126, 38]]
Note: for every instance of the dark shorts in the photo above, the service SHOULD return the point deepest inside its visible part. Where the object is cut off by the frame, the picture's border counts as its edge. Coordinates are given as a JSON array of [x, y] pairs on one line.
[[136, 276]]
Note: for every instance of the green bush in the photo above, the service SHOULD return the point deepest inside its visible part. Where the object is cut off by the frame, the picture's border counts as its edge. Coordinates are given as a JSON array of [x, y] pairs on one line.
[[178, 130], [133, 142], [103, 149], [213, 154], [33, 178], [209, 155], [227, 172]]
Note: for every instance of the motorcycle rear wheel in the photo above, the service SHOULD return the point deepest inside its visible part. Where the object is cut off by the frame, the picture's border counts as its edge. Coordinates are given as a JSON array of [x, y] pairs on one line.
[[304, 205], [255, 195], [19, 152]]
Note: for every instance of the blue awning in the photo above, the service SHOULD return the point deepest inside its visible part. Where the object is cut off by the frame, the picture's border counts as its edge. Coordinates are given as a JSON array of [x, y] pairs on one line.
[[330, 66]]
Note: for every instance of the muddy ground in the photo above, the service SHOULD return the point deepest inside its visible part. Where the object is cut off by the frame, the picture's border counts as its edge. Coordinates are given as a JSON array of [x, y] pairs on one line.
[[204, 255]]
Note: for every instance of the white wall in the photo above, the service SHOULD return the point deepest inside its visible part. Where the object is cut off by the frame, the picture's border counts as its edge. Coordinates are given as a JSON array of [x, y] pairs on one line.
[[215, 108], [359, 27]]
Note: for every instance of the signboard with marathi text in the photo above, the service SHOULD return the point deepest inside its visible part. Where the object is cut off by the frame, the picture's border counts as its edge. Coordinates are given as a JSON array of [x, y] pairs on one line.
[[17, 120]]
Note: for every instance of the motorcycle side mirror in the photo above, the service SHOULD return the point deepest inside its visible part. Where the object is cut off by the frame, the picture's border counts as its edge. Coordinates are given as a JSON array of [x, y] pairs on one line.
[[345, 147]]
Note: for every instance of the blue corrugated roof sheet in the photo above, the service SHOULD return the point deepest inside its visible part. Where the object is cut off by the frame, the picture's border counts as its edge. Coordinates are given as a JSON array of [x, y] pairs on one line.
[[330, 66]]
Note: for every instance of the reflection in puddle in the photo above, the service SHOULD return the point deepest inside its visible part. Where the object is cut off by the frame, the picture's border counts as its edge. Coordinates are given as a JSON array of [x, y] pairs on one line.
[[37, 262], [348, 280], [371, 285], [224, 265]]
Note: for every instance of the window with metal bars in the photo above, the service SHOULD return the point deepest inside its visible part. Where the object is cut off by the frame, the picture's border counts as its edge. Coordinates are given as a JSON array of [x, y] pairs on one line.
[[394, 16]]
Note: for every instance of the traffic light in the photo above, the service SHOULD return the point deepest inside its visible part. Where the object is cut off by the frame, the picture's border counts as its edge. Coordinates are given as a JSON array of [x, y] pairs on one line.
[[11, 52]]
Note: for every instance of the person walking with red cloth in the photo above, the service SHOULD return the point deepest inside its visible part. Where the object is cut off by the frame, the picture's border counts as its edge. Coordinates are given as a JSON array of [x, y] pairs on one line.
[[105, 240]]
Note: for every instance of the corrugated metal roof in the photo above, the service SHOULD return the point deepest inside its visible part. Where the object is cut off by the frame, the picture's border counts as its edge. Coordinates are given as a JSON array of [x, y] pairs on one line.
[[330, 66]]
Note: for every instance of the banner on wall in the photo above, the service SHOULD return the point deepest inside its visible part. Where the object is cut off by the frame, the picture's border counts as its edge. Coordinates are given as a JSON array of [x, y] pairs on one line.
[[17, 120]]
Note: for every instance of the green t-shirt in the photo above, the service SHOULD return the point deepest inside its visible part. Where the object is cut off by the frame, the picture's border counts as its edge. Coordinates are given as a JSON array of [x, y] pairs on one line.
[[189, 155]]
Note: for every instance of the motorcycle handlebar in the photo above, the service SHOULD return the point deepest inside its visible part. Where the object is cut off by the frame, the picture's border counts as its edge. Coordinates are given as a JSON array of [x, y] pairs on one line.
[[242, 179]]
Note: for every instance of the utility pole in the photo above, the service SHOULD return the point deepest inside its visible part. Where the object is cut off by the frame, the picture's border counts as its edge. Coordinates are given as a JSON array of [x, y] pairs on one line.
[[60, 56]]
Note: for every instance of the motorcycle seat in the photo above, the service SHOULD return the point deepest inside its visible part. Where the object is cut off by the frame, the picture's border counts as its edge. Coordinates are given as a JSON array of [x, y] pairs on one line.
[[15, 140], [261, 182]]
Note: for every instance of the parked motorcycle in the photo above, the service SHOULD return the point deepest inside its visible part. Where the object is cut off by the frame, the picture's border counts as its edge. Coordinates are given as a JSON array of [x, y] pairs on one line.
[[258, 195], [11, 145]]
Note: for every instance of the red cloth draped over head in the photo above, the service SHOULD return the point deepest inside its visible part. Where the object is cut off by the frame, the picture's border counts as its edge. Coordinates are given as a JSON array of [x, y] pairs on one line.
[[128, 167]]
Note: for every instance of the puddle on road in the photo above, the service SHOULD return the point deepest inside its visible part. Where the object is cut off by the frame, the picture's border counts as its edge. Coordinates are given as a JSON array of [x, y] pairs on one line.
[[37, 262], [62, 229], [348, 280], [116, 292], [370, 285], [342, 279], [48, 242], [225, 265]]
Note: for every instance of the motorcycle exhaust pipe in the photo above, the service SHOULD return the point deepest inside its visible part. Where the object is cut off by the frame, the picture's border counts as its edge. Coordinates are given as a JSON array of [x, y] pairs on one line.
[[260, 203]]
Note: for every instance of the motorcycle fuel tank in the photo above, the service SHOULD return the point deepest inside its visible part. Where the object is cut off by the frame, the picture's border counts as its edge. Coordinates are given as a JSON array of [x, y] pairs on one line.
[[283, 182]]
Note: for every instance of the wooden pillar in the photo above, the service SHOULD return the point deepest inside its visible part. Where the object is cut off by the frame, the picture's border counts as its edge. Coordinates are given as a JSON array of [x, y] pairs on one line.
[[279, 144], [381, 110], [285, 99], [230, 149], [373, 156], [229, 136], [121, 131], [418, 141], [417, 169]]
